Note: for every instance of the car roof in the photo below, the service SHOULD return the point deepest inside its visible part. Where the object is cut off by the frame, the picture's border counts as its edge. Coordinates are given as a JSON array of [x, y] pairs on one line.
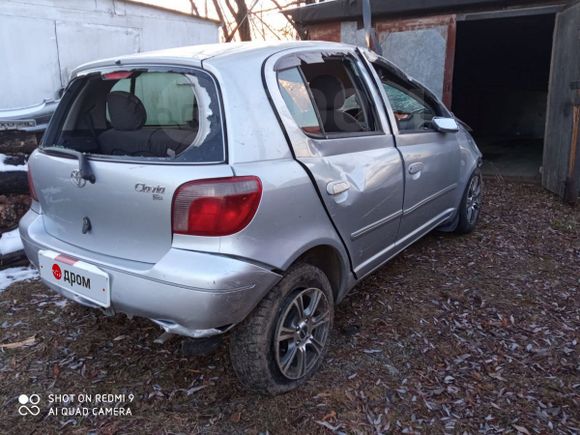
[[195, 54]]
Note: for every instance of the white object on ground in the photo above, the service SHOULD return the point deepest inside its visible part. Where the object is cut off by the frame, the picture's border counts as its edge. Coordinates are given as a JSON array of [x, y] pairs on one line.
[[16, 274], [6, 168], [10, 242]]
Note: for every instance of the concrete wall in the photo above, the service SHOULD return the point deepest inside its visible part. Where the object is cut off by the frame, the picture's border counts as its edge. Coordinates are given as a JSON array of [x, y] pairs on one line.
[[42, 41]]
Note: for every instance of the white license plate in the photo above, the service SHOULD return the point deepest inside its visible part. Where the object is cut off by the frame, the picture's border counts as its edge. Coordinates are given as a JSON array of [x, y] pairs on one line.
[[77, 277]]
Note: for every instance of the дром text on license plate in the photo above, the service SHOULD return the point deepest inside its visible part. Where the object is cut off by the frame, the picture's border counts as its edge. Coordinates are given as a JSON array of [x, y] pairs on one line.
[[82, 279]]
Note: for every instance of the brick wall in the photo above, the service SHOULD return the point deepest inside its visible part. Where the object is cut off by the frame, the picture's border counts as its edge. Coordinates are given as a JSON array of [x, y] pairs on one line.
[[324, 32]]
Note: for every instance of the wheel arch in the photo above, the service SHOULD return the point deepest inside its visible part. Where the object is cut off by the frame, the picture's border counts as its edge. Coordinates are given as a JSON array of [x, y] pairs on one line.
[[333, 263]]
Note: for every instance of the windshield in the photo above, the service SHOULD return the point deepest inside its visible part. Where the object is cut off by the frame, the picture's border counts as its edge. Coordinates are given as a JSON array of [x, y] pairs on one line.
[[141, 114]]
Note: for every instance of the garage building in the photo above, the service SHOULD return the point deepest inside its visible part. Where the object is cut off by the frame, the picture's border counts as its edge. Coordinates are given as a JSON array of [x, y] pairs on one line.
[[509, 69]]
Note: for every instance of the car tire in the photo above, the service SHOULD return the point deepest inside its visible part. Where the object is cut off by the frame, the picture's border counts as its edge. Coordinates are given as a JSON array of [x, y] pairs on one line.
[[280, 345], [470, 207]]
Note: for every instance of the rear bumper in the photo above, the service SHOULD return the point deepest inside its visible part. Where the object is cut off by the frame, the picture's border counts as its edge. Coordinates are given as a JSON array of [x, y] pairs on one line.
[[188, 293]]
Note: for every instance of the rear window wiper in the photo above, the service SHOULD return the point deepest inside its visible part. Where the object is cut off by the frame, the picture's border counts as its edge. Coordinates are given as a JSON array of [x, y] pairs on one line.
[[85, 170]]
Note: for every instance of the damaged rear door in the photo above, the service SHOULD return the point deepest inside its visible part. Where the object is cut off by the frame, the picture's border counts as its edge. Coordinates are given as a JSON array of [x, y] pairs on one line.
[[344, 142]]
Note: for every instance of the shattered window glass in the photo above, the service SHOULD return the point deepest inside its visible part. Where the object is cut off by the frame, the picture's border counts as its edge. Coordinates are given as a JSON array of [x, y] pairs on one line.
[[413, 108], [143, 114], [400, 101], [411, 113], [298, 100]]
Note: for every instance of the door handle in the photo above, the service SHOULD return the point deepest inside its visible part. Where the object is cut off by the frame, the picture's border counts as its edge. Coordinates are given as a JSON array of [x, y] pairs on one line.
[[337, 187], [415, 168]]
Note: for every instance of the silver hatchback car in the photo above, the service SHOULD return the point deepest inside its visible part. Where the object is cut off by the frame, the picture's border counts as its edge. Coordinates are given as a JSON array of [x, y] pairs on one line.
[[243, 187]]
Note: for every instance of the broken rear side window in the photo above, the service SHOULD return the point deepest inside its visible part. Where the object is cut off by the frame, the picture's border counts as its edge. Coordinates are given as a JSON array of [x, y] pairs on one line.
[[155, 115], [328, 98], [297, 99]]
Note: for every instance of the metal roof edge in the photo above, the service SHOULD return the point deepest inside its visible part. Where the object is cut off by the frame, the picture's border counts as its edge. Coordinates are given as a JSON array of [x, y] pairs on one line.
[[341, 10]]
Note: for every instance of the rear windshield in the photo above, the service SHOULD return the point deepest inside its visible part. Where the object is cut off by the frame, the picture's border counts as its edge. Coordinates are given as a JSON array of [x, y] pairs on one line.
[[141, 114]]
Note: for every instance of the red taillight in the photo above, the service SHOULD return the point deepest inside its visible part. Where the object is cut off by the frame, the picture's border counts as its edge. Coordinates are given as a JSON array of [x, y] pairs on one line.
[[31, 188], [215, 207]]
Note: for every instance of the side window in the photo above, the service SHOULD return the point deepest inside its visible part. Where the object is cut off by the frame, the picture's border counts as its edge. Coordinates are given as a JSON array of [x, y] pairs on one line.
[[297, 99], [339, 96], [412, 108], [327, 98]]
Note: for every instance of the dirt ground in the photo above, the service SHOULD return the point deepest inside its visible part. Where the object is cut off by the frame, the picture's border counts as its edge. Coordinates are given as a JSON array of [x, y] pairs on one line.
[[476, 334]]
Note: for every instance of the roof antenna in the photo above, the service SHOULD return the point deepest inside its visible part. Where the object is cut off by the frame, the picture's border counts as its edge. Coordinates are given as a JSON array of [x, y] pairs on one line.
[[370, 35]]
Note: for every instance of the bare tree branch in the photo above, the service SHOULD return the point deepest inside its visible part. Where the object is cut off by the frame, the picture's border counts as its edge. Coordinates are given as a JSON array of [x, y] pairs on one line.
[[220, 15], [242, 20], [240, 12], [290, 20], [231, 8], [279, 7], [266, 26], [194, 10]]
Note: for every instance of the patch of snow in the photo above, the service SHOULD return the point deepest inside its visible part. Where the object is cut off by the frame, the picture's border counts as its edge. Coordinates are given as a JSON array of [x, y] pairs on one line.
[[6, 324], [16, 274], [62, 303], [6, 168], [10, 242]]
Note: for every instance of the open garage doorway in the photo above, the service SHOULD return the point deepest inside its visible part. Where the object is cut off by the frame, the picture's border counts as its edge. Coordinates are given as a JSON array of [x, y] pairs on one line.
[[500, 89]]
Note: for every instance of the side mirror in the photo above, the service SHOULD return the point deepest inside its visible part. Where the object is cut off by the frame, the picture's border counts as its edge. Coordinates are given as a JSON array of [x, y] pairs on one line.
[[445, 125]]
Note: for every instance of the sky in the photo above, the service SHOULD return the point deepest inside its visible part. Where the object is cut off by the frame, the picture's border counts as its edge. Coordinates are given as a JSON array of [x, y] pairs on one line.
[[266, 24]]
